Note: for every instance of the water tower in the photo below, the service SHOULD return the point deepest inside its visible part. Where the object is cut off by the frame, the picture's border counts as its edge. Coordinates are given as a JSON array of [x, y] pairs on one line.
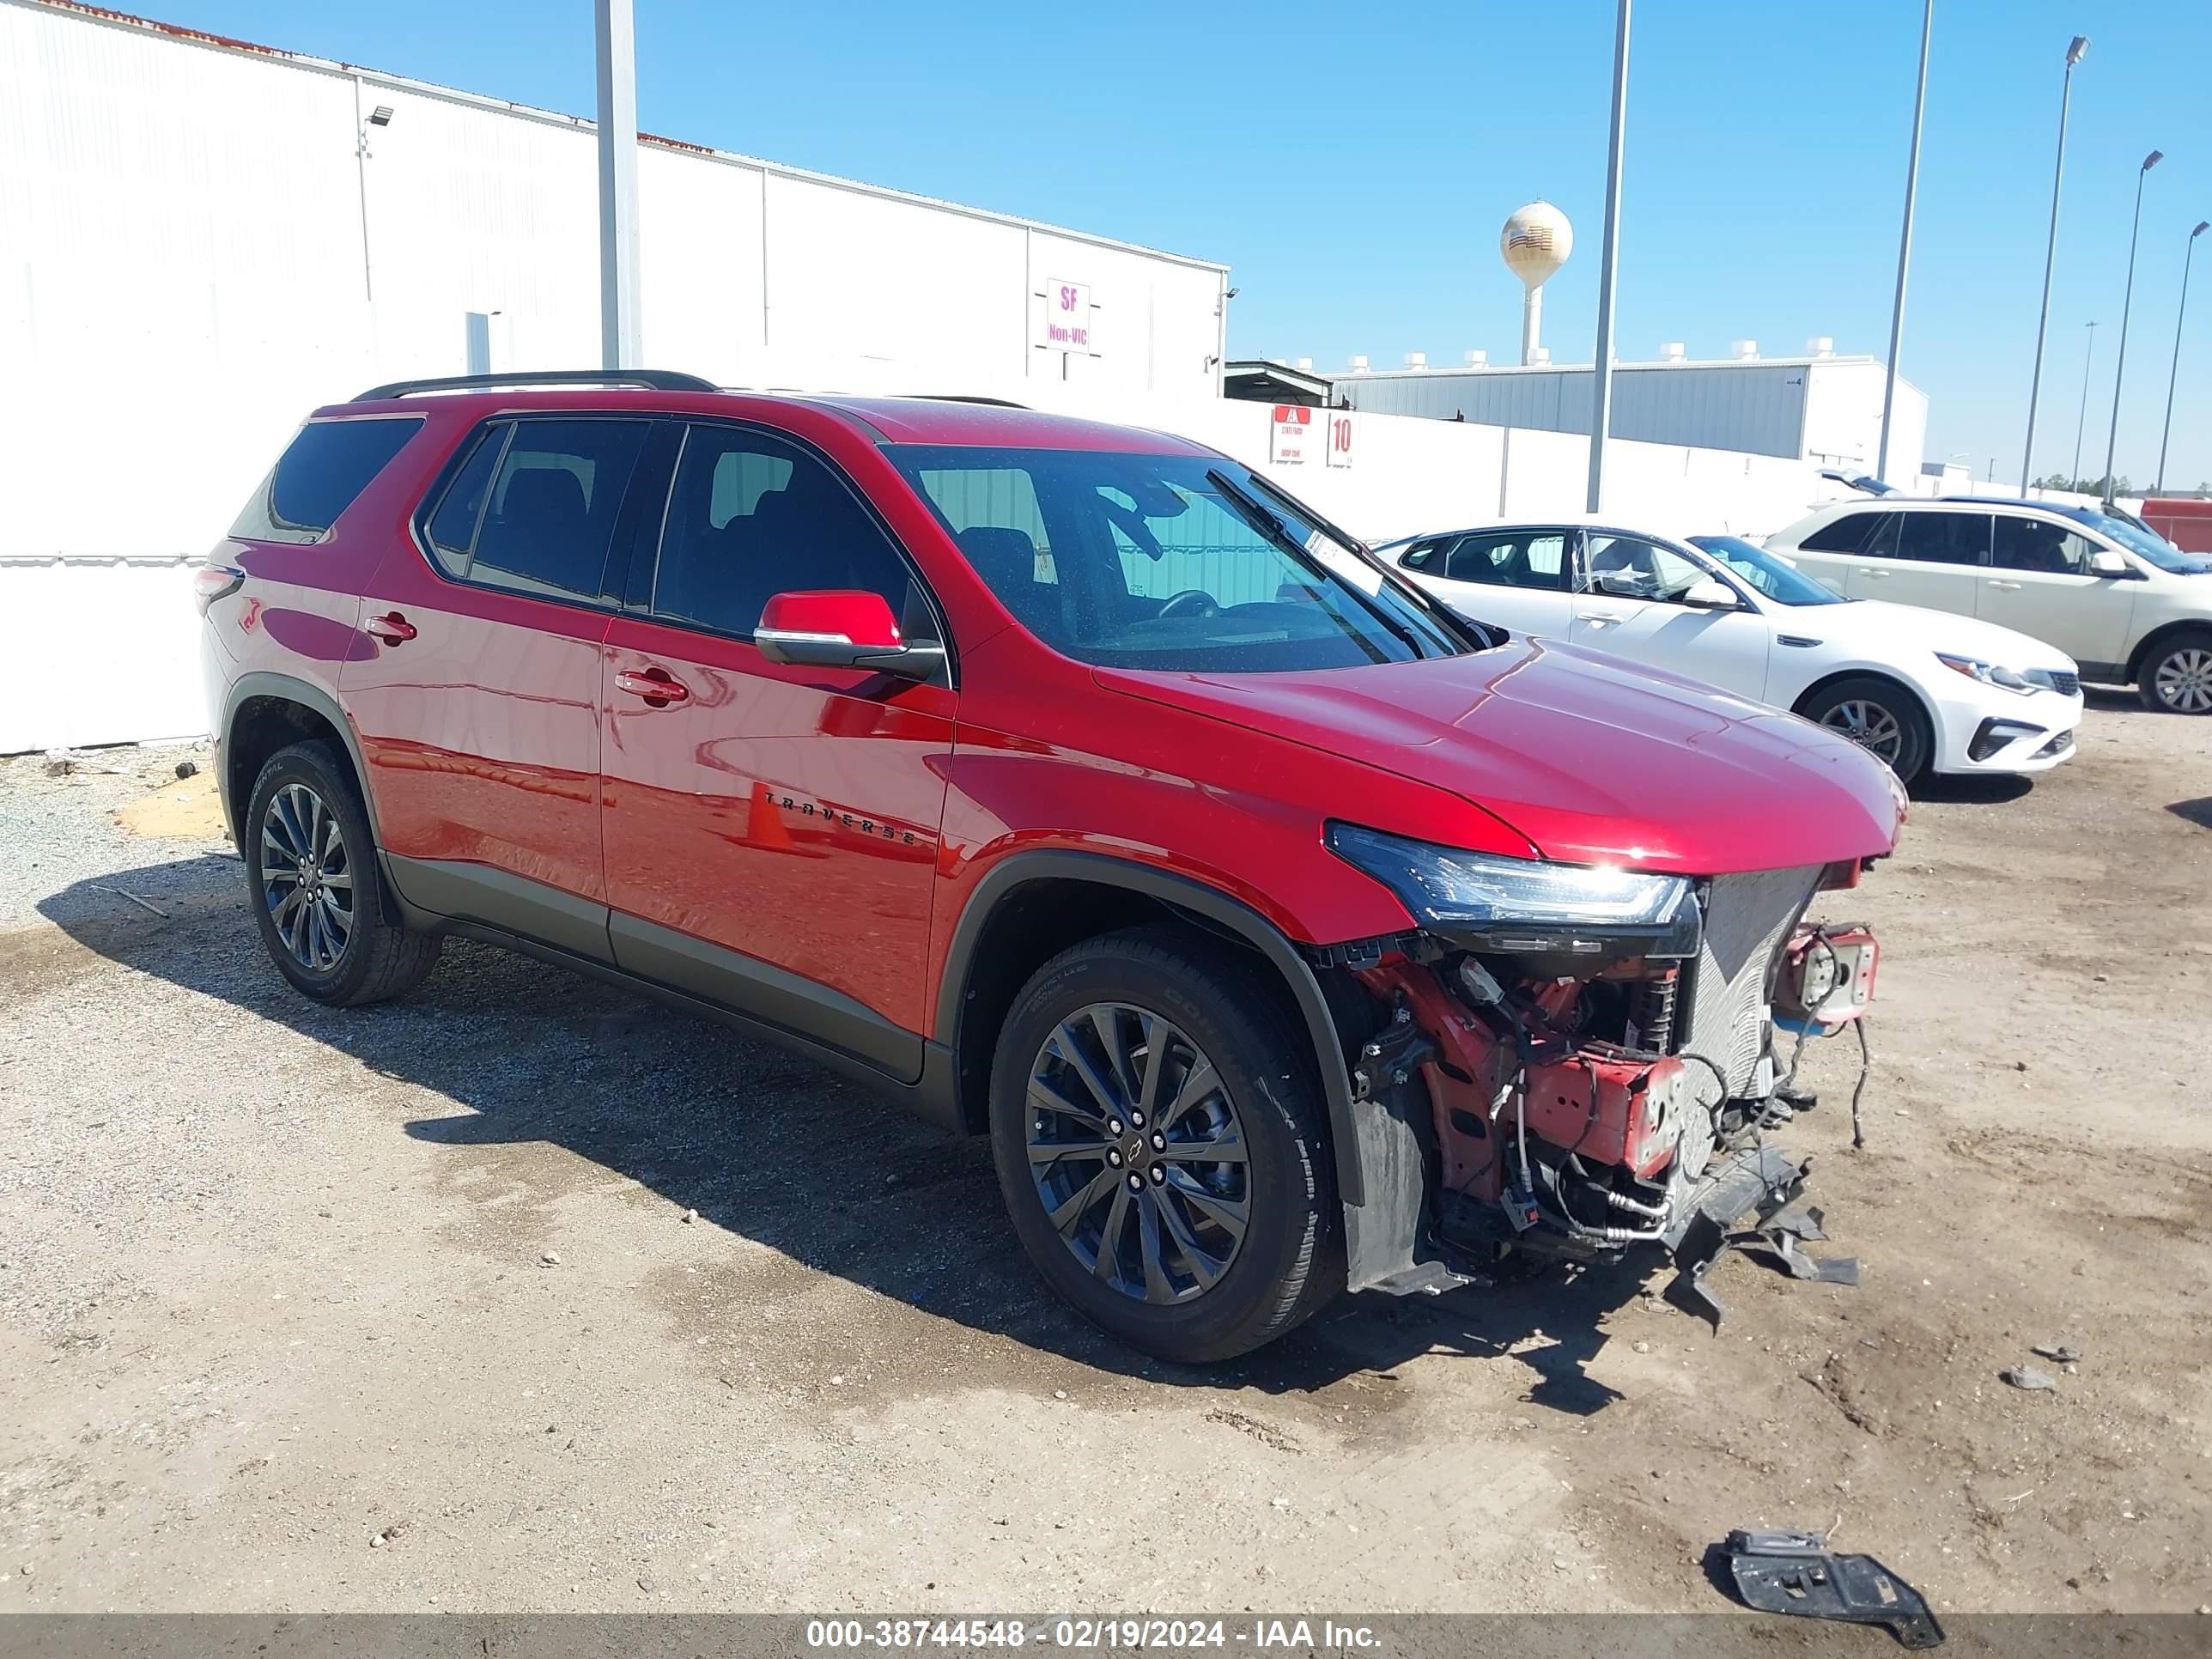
[[1535, 242]]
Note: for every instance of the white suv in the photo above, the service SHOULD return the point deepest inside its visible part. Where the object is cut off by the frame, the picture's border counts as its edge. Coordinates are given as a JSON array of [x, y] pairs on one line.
[[2126, 606]]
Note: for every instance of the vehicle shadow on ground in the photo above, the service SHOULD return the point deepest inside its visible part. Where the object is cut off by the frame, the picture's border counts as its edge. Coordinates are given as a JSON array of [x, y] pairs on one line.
[[2197, 812], [774, 1148], [1970, 790]]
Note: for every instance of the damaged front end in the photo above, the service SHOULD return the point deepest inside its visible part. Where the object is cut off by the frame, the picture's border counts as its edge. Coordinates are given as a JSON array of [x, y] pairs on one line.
[[1574, 1063]]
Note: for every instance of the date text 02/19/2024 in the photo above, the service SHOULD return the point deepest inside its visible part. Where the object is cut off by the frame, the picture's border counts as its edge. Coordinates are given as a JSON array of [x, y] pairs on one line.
[[1108, 1634]]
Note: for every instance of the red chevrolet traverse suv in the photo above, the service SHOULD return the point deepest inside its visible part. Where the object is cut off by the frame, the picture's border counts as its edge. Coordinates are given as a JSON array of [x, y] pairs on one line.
[[1284, 932]]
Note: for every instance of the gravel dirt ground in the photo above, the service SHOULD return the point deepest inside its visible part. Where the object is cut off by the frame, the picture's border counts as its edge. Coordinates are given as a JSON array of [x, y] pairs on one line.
[[405, 1307]]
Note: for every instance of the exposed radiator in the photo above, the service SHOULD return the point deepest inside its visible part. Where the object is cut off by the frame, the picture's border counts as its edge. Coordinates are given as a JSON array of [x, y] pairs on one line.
[[1748, 919]]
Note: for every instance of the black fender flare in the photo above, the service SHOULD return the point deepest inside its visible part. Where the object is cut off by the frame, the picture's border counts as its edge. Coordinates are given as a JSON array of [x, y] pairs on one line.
[[285, 688], [1232, 915]]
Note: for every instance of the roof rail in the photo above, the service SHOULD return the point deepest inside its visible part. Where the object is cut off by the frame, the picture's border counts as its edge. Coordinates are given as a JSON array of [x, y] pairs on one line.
[[653, 380], [961, 398]]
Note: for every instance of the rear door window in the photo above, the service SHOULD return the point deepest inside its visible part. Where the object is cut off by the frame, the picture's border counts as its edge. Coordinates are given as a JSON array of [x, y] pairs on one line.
[[1942, 537], [320, 474], [533, 509]]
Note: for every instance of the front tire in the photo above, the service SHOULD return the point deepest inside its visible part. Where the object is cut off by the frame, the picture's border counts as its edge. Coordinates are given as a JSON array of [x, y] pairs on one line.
[[1162, 1147], [1882, 717], [2177, 676], [316, 888]]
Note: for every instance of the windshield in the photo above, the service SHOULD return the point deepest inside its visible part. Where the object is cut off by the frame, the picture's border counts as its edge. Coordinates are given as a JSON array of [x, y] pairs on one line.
[[1176, 562], [1777, 578], [2147, 545]]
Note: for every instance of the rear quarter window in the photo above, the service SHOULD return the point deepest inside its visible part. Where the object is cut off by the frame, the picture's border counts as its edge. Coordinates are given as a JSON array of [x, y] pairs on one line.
[[1845, 535], [321, 473]]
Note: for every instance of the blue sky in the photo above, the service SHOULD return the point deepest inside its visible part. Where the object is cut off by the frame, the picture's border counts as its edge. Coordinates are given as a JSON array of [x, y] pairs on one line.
[[1353, 163]]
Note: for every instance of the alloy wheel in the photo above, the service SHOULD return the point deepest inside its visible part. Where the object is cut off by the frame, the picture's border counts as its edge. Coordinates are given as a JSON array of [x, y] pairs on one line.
[[2184, 681], [1869, 724], [1138, 1153], [307, 877]]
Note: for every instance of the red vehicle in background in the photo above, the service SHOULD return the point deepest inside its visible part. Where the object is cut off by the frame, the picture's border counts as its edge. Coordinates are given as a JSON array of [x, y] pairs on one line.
[[2184, 520], [1284, 932]]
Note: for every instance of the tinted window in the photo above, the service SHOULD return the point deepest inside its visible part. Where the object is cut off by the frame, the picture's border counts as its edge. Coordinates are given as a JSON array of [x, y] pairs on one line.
[[1153, 562], [453, 530], [1940, 538], [1519, 558], [2038, 544], [319, 474], [750, 516], [1422, 556], [1845, 535], [546, 522]]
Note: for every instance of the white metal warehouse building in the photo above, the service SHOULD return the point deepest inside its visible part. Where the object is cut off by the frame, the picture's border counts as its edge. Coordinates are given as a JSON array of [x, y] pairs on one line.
[[1821, 407], [202, 240], [188, 234]]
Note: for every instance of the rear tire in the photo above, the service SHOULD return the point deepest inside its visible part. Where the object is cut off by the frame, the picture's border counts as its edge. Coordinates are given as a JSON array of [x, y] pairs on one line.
[[2177, 676], [1882, 717], [316, 888], [1201, 1259]]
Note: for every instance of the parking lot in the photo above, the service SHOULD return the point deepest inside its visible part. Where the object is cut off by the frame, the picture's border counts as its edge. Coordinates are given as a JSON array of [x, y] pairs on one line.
[[523, 1293]]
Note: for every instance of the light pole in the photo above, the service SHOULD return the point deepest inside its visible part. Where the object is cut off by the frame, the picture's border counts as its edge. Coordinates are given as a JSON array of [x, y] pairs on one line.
[[2120, 368], [2082, 419], [2050, 253], [2167, 436], [1904, 241], [1609, 265], [619, 338]]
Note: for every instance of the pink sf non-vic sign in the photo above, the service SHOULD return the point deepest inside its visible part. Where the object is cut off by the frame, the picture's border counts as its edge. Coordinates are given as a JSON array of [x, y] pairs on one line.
[[1066, 325]]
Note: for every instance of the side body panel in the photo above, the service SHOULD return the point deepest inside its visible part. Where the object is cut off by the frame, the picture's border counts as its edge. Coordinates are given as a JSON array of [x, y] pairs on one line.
[[2088, 617], [788, 814], [480, 733]]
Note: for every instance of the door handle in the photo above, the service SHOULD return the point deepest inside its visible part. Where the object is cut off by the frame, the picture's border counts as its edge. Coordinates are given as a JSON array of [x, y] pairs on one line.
[[2009, 587], [1597, 616], [1868, 571], [656, 686], [392, 628]]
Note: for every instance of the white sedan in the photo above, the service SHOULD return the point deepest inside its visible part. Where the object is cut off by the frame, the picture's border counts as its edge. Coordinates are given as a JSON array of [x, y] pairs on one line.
[[1925, 690]]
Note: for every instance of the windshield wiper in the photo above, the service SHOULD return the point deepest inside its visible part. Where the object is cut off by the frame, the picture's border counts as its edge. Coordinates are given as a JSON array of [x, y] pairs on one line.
[[1438, 611], [1260, 519], [1343, 539]]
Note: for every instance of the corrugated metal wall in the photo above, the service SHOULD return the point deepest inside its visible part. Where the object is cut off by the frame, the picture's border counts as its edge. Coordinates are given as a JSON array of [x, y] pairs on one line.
[[1759, 408]]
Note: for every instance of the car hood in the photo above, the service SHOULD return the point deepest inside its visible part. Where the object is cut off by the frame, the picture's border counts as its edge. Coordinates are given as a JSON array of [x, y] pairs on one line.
[[1880, 628], [1590, 758]]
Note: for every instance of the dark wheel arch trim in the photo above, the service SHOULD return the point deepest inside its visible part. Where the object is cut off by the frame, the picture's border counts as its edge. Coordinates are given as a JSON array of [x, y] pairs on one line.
[[1193, 898], [261, 682], [284, 688], [2159, 638]]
